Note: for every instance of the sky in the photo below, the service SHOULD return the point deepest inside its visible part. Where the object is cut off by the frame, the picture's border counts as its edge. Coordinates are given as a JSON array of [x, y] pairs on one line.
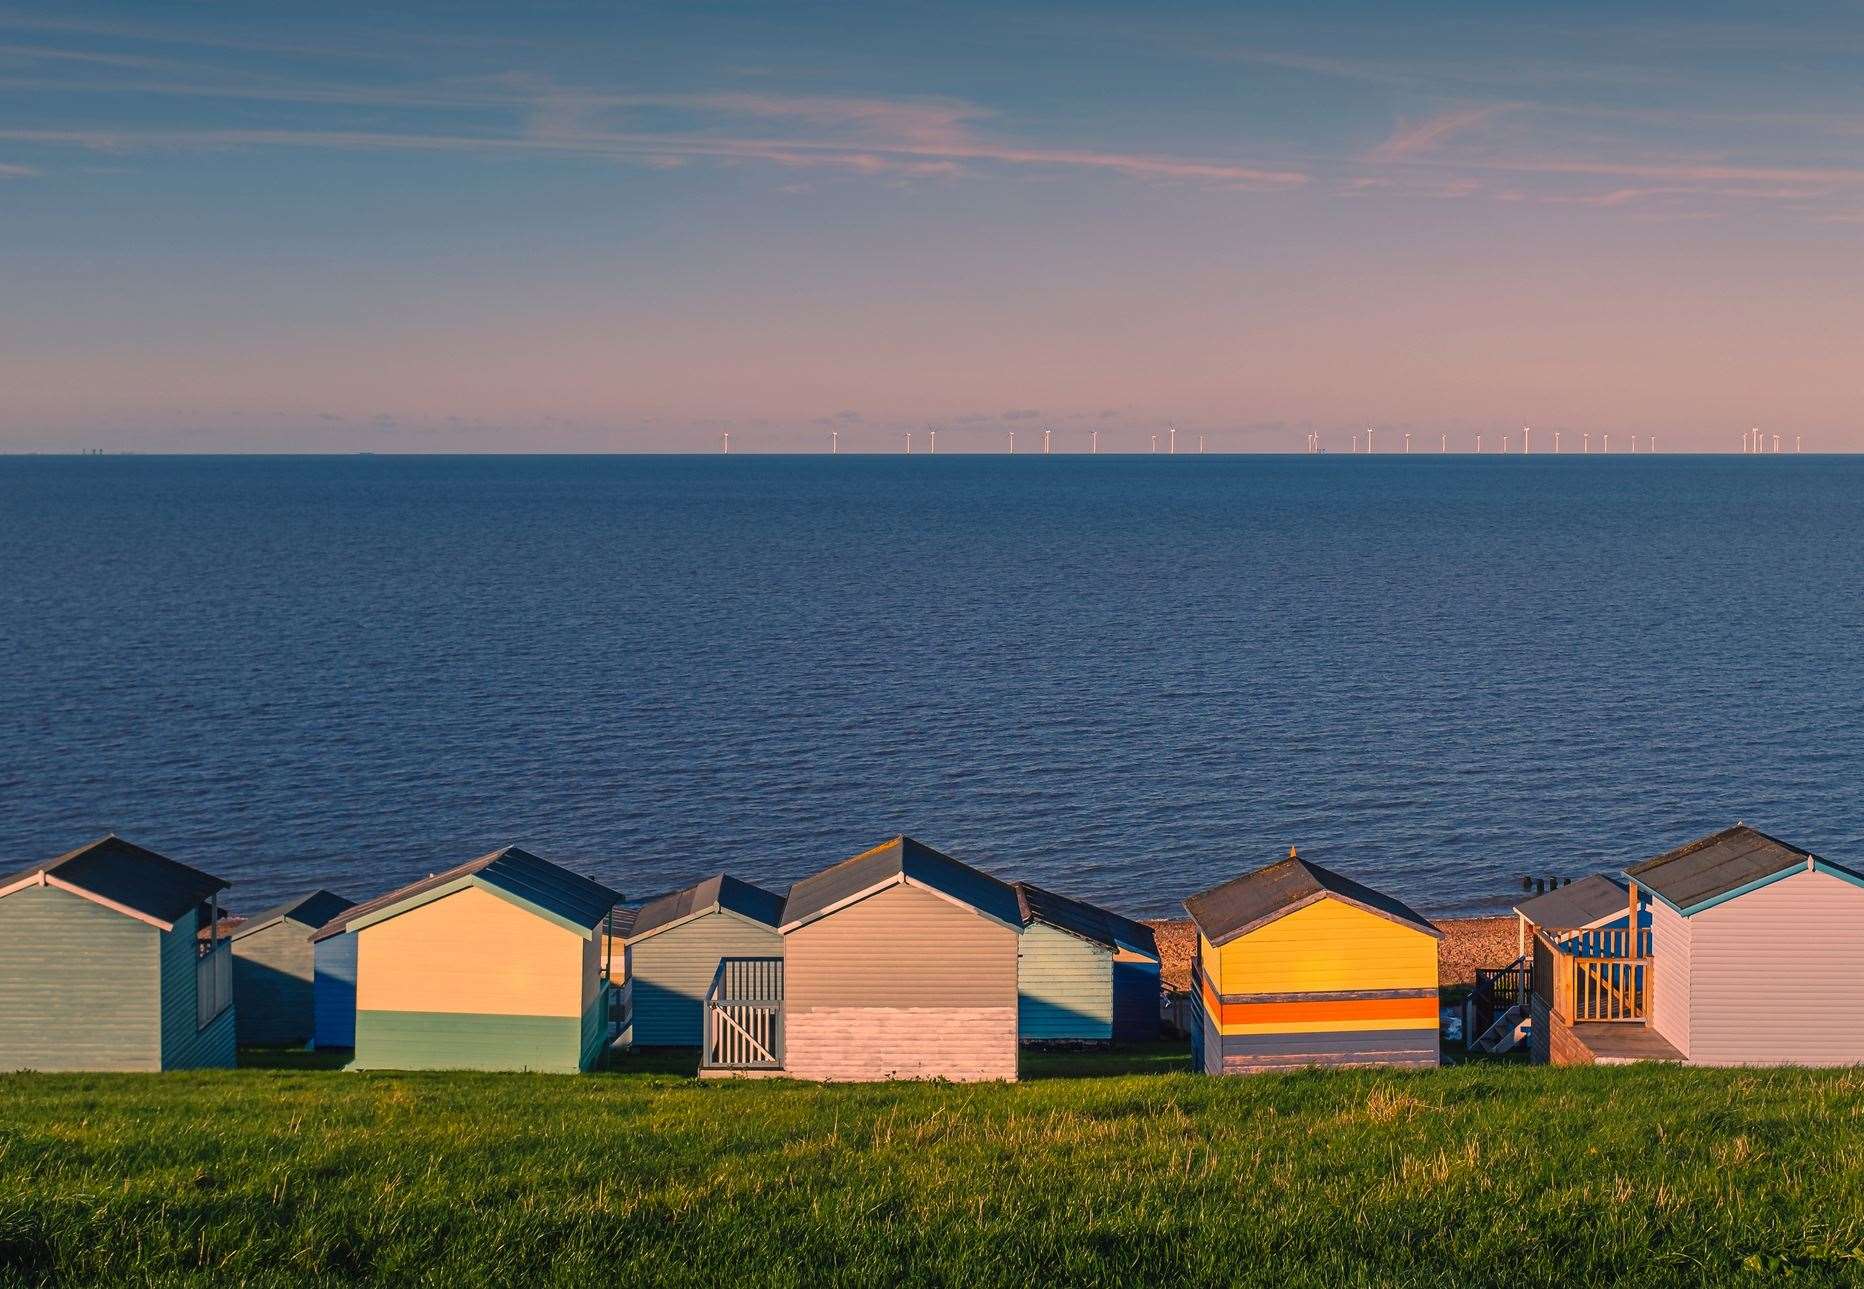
[[637, 227]]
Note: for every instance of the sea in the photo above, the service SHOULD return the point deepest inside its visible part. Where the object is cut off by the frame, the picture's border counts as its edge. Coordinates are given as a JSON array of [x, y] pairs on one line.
[[1126, 678]]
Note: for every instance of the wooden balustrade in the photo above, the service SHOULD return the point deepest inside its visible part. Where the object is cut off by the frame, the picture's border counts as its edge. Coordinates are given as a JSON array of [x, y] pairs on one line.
[[744, 1016], [1587, 986]]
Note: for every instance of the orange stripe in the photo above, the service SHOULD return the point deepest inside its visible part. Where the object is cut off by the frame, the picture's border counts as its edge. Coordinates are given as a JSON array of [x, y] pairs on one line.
[[1342, 1009]]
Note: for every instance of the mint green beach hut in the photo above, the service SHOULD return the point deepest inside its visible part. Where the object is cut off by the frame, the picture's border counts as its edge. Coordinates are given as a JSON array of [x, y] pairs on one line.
[[111, 958]]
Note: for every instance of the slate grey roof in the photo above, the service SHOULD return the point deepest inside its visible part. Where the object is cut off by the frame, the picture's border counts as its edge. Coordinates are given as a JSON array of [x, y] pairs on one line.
[[127, 874], [567, 895], [720, 891], [1719, 864], [1244, 903], [309, 910], [1579, 904], [1089, 921], [888, 863]]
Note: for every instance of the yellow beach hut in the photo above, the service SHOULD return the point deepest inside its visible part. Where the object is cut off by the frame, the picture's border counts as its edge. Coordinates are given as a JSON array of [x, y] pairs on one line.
[[494, 965], [1298, 965]]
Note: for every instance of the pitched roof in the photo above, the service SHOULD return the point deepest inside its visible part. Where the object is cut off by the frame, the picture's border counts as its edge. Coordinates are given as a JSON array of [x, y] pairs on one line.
[[1089, 921], [1722, 865], [551, 890], [117, 872], [721, 891], [898, 860], [310, 910], [1577, 905], [1245, 903]]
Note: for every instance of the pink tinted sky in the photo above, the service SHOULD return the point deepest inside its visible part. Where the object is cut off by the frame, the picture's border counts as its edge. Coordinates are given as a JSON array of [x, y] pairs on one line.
[[636, 232]]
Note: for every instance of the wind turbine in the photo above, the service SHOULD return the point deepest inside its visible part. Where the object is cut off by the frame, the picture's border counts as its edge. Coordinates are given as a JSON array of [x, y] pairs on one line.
[[1524, 433], [1012, 442], [1171, 440], [1096, 442], [909, 443], [1045, 442], [834, 443], [727, 442], [933, 435], [1407, 442]]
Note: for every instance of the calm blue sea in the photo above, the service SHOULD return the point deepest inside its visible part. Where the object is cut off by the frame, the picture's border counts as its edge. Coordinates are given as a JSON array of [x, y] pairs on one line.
[[1127, 677]]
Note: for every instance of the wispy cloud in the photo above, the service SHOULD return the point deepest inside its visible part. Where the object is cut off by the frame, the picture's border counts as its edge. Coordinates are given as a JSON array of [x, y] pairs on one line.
[[8, 171], [1423, 136]]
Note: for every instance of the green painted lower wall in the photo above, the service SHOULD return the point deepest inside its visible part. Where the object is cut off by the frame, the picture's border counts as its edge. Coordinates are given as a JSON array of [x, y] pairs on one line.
[[595, 1030], [467, 1041]]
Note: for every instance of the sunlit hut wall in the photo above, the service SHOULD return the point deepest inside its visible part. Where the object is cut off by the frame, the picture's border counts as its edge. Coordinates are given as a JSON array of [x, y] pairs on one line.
[[110, 960], [1298, 965], [275, 967], [1085, 974], [1756, 952], [673, 948], [900, 963], [494, 965]]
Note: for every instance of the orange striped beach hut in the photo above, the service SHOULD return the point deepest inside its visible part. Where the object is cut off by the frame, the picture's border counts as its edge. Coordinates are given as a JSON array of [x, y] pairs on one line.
[[1298, 965]]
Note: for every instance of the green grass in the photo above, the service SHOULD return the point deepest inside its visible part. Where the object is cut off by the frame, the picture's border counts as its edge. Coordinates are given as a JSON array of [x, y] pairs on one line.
[[1097, 1169]]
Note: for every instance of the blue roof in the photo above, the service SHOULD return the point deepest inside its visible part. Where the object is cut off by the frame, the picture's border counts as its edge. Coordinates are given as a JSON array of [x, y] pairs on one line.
[[901, 858], [128, 875], [547, 888]]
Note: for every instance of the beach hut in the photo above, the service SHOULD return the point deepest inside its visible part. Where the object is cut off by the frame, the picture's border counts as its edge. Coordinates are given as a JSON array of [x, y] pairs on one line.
[[274, 969], [1752, 958], [1084, 974], [899, 963], [674, 946], [333, 993], [111, 958], [1299, 965], [493, 965]]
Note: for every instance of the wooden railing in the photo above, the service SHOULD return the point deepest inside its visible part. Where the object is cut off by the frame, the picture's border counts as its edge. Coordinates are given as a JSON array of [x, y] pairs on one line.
[[213, 982], [1496, 990], [1588, 987], [1606, 942], [744, 1016]]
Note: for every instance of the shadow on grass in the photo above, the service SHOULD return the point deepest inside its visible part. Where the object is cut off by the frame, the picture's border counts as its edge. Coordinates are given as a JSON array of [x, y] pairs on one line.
[[683, 1061], [293, 1058], [1165, 1057]]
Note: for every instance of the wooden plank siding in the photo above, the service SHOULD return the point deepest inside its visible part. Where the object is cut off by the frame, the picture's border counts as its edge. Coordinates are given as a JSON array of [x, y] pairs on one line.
[[274, 972], [673, 969], [473, 981], [79, 985], [1135, 999], [901, 984], [1773, 976], [334, 992], [187, 1044], [1327, 984], [1064, 987], [1670, 942]]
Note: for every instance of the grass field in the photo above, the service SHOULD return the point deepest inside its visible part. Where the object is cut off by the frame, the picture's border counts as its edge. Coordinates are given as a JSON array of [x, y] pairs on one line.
[[1096, 1169]]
